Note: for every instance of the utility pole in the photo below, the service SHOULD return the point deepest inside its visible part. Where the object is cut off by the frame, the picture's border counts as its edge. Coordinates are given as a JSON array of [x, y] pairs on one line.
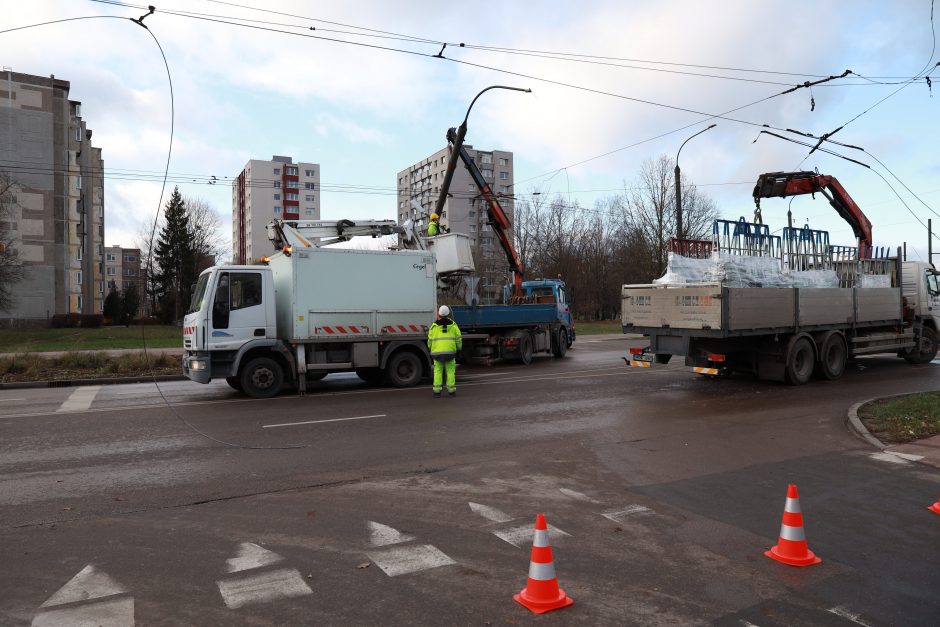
[[929, 240], [679, 183]]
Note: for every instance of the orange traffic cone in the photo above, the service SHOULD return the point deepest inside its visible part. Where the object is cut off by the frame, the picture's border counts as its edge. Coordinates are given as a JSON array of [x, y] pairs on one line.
[[791, 548], [935, 508], [541, 593]]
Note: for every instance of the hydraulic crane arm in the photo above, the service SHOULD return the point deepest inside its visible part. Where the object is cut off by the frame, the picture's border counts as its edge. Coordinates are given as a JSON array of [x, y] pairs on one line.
[[299, 234], [782, 184], [497, 217]]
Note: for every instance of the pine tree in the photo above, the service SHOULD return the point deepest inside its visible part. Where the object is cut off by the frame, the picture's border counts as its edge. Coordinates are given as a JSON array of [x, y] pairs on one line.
[[174, 260], [130, 303], [112, 306]]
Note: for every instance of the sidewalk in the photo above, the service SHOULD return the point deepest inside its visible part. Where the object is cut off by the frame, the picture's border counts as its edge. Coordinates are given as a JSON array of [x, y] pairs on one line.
[[113, 352], [926, 450]]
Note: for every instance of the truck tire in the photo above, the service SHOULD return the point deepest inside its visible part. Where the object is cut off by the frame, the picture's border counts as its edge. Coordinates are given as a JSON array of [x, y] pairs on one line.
[[926, 349], [403, 370], [234, 382], [832, 356], [800, 361], [525, 349], [561, 343], [372, 376], [262, 377]]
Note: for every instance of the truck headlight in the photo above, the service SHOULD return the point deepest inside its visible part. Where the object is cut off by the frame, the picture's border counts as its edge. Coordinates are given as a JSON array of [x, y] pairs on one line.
[[197, 364]]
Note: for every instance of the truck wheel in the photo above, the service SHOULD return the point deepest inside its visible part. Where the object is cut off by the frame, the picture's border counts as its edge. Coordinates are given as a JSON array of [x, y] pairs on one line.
[[262, 378], [926, 349], [234, 382], [525, 349], [403, 370], [561, 343], [372, 376], [800, 362], [832, 357]]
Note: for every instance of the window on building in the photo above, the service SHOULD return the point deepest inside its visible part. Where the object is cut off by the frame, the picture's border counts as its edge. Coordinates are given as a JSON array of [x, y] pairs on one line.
[[78, 109], [277, 196], [504, 176], [503, 189], [293, 196], [487, 174], [277, 171], [78, 133], [472, 214], [473, 228], [277, 210], [292, 184], [100, 231], [112, 257], [309, 211], [308, 198], [80, 247], [277, 185], [101, 287], [130, 258], [97, 250], [78, 278], [503, 161], [486, 158], [310, 172], [79, 303], [130, 272], [78, 181], [310, 185], [291, 170], [110, 271]]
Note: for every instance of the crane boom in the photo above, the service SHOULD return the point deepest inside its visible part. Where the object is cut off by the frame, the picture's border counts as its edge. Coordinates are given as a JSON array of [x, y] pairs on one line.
[[299, 233], [783, 184]]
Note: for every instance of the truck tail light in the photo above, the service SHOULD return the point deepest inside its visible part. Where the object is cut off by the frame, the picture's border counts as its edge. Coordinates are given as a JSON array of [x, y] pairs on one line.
[[636, 351], [716, 357]]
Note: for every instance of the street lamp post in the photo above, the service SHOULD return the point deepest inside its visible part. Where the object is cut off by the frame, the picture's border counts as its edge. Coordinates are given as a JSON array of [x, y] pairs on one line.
[[679, 184], [457, 139]]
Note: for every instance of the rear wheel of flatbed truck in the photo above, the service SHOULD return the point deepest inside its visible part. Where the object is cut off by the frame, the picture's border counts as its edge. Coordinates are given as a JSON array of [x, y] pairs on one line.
[[403, 370], [560, 343], [832, 356], [372, 376], [262, 377], [525, 349], [800, 361]]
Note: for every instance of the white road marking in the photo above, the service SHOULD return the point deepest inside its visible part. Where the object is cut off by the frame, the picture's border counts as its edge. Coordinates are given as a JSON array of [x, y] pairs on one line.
[[383, 535], [844, 612], [746, 623], [117, 612], [7, 400], [89, 583], [490, 513], [96, 592], [577, 495], [521, 537], [620, 516], [80, 400], [316, 422], [401, 560], [262, 587], [250, 556], [889, 457]]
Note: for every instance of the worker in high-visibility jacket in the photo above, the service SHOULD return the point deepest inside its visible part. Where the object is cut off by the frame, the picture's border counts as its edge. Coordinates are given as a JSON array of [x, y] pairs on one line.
[[444, 342], [434, 227]]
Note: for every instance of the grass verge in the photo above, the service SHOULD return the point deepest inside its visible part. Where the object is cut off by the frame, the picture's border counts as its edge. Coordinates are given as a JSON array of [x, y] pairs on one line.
[[598, 327], [105, 338], [904, 418], [92, 365]]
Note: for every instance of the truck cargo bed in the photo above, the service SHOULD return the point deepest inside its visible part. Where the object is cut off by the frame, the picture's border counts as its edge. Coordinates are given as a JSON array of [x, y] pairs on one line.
[[504, 316]]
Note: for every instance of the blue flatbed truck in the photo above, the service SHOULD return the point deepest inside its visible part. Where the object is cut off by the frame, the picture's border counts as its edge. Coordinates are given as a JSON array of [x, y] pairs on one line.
[[538, 322]]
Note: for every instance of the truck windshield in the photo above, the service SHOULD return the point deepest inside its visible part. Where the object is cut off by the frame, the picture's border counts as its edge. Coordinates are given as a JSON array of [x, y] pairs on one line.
[[199, 294]]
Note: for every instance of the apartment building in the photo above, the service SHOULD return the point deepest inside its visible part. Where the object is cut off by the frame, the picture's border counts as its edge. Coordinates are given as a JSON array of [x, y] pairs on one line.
[[123, 267], [464, 210], [56, 209], [266, 190]]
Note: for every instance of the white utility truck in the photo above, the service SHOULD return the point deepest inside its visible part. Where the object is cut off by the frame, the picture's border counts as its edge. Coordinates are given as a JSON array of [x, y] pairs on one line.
[[311, 309], [784, 307]]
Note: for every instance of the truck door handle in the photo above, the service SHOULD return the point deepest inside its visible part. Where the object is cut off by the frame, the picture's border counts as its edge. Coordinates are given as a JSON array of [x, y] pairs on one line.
[[259, 332]]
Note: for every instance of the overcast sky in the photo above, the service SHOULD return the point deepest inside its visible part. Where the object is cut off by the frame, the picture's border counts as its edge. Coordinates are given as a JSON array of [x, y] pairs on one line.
[[364, 113]]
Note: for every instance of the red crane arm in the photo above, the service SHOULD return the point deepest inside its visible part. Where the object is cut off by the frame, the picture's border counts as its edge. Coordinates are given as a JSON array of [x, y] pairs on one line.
[[783, 184]]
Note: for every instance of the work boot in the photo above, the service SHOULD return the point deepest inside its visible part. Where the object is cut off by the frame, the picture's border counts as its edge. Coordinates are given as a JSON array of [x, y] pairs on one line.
[[436, 394], [452, 393]]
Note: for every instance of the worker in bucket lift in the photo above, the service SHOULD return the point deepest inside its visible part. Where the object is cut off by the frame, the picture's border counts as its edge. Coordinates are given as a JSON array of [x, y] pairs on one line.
[[434, 226], [444, 342]]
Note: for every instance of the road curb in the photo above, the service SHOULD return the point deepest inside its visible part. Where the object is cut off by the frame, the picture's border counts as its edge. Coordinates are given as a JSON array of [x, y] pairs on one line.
[[67, 383], [858, 427]]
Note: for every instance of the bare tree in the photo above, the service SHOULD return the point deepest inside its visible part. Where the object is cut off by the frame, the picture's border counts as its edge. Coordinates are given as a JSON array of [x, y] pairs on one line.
[[208, 238], [11, 268]]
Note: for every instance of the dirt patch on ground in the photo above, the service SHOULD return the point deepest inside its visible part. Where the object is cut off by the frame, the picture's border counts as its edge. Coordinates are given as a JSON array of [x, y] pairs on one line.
[[29, 367], [904, 418]]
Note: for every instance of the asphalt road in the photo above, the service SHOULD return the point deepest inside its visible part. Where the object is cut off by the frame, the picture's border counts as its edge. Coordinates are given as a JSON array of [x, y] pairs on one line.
[[663, 490]]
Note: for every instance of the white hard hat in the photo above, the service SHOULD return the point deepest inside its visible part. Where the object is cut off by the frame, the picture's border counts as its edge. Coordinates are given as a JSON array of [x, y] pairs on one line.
[[443, 311]]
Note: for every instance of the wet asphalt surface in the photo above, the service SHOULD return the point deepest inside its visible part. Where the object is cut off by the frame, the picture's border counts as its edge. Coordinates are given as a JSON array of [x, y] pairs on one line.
[[396, 509]]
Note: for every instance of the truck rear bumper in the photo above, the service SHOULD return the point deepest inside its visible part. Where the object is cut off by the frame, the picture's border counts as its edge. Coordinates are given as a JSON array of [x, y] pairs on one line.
[[197, 367]]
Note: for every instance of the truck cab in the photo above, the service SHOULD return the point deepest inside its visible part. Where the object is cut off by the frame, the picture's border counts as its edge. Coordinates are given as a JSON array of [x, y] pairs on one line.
[[232, 311], [546, 291]]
